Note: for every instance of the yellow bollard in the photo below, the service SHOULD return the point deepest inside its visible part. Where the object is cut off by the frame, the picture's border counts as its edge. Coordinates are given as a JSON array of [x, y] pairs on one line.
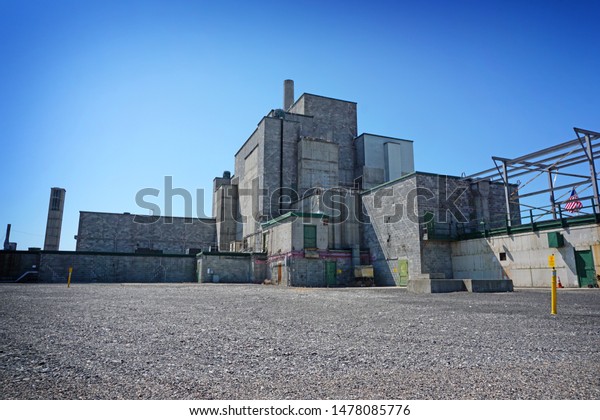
[[69, 280], [553, 294]]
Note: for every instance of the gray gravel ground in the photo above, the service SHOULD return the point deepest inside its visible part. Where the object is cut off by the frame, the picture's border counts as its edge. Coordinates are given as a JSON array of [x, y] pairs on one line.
[[209, 341]]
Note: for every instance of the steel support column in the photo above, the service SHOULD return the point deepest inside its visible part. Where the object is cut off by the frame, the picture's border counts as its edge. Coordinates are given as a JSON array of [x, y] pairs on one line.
[[552, 200], [506, 192], [590, 155]]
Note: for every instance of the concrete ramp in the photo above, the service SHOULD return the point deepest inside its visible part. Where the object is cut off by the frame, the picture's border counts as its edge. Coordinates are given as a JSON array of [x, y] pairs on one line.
[[458, 285]]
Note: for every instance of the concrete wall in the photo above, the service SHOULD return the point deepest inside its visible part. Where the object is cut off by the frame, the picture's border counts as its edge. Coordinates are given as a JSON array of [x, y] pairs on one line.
[[300, 269], [225, 208], [116, 268], [317, 164], [248, 162], [272, 171], [386, 156], [390, 234], [527, 254], [343, 206], [288, 234], [125, 233], [335, 121], [397, 228], [230, 267], [279, 238], [15, 263]]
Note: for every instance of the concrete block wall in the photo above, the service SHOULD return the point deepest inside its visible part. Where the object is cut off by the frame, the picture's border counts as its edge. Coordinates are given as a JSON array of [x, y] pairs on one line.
[[390, 233], [488, 204], [441, 195], [527, 254], [279, 238], [382, 159], [307, 272], [335, 120], [453, 201], [271, 168], [248, 173], [115, 268], [371, 177], [124, 233], [301, 270], [225, 204], [231, 268], [396, 228], [293, 128], [288, 235], [317, 164], [15, 263], [266, 166], [436, 259]]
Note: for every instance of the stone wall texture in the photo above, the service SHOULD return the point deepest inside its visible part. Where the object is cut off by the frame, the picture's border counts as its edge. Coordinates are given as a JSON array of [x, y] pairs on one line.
[[231, 268], [396, 227], [116, 268], [13, 264], [126, 233]]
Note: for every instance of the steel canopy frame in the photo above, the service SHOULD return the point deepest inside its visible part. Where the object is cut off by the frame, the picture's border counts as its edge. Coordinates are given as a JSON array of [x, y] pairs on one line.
[[551, 160]]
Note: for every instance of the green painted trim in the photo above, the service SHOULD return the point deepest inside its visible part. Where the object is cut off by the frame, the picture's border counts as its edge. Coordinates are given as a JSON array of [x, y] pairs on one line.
[[545, 225], [290, 214]]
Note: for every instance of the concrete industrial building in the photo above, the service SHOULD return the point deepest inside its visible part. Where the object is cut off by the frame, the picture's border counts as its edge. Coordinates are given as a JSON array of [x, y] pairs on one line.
[[137, 234], [300, 194], [310, 200]]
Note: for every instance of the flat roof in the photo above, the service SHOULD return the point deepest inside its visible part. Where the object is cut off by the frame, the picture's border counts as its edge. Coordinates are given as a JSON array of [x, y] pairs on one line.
[[147, 215], [290, 214], [410, 175], [384, 137], [321, 96]]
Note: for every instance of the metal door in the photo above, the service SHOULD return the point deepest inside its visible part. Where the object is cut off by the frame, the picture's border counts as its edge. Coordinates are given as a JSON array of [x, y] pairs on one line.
[[279, 273], [402, 272], [584, 263], [330, 273]]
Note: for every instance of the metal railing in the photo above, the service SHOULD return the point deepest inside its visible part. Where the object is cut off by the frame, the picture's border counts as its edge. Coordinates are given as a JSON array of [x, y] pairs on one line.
[[529, 220]]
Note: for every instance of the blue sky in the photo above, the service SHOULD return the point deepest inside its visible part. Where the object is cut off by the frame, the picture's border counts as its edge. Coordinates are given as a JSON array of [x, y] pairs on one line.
[[105, 98]]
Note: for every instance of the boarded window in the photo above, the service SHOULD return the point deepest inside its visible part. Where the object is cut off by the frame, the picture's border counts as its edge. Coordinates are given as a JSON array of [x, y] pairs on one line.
[[310, 236]]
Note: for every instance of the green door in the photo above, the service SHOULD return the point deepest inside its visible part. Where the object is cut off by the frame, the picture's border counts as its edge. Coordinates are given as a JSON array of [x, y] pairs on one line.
[[402, 272], [584, 263], [310, 236], [330, 268]]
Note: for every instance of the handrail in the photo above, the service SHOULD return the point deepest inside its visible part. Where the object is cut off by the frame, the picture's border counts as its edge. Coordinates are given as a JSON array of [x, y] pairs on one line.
[[25, 274]]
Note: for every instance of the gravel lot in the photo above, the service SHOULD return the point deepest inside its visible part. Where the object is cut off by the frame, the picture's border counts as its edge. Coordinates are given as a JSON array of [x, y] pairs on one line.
[[215, 341]]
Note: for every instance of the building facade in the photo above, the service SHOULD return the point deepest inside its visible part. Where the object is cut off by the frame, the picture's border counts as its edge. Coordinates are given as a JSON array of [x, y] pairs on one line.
[[137, 234], [311, 200]]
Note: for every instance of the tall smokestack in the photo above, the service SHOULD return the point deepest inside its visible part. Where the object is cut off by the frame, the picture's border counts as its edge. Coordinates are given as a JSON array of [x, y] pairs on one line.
[[55, 215], [288, 94], [7, 240]]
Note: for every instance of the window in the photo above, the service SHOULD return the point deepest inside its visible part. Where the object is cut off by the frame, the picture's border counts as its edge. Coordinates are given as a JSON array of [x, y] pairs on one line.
[[503, 256], [310, 236]]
